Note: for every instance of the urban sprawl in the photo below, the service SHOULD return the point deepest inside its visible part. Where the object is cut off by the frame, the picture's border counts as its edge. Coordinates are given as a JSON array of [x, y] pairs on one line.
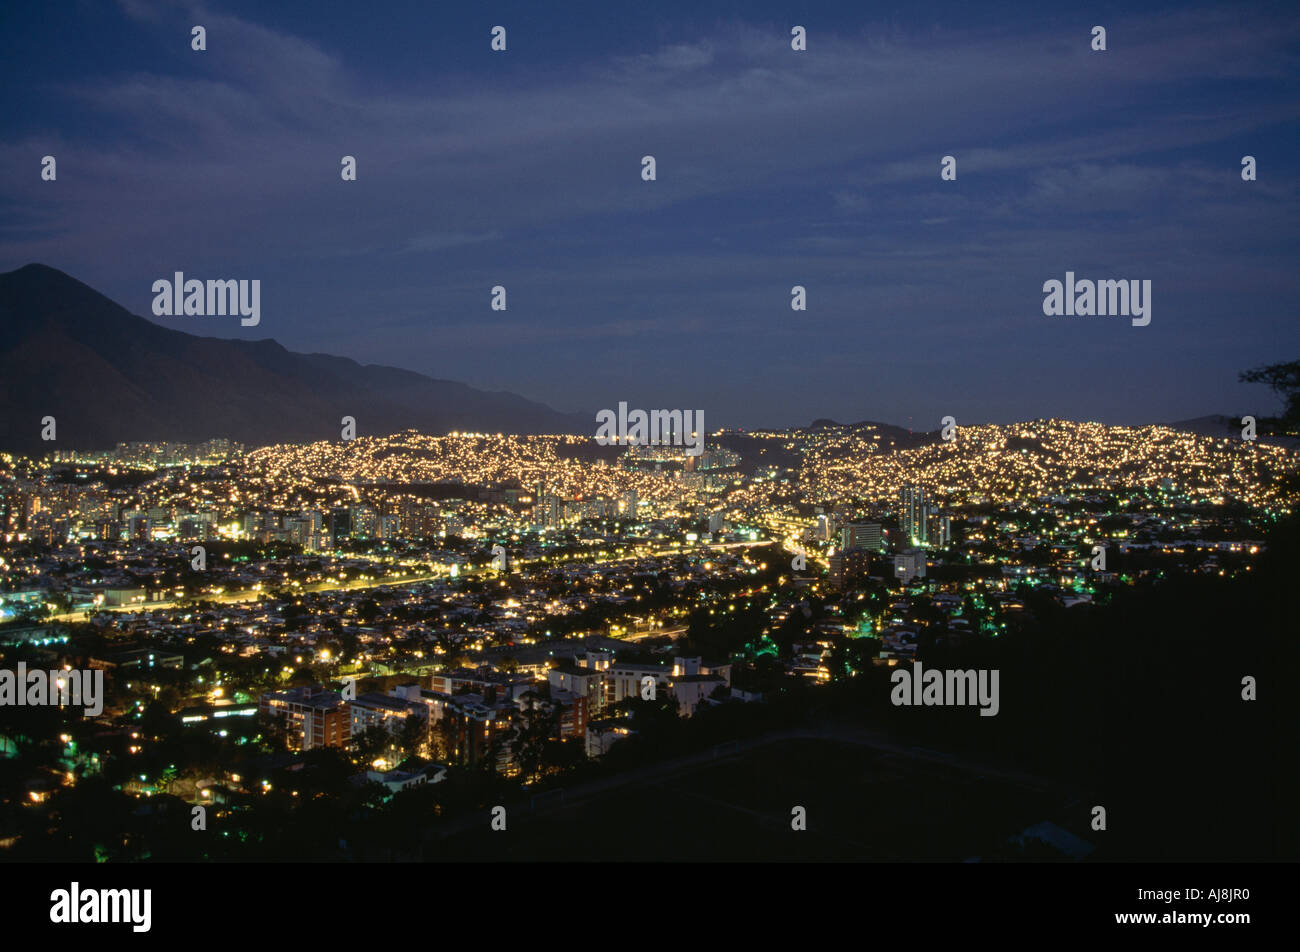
[[427, 606]]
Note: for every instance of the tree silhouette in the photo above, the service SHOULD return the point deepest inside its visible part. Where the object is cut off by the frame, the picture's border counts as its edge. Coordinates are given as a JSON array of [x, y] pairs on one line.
[[1284, 380]]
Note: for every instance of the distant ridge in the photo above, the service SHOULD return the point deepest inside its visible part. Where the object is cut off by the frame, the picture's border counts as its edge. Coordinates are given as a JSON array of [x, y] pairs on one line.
[[1226, 427], [109, 376], [1217, 426]]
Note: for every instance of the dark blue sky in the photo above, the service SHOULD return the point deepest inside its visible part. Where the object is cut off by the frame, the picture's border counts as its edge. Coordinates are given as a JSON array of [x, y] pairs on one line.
[[775, 168]]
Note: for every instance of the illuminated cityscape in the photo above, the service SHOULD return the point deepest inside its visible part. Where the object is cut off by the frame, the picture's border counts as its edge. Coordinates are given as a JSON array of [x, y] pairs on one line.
[[694, 456], [347, 595]]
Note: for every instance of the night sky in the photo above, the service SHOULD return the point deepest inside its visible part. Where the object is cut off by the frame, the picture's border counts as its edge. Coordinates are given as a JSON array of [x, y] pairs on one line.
[[775, 168]]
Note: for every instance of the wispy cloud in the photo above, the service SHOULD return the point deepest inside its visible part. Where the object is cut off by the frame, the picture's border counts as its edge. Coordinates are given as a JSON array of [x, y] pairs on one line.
[[775, 168]]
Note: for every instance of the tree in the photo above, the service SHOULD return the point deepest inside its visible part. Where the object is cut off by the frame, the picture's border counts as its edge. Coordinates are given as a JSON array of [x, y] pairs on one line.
[[442, 741], [413, 737], [370, 744], [1284, 380], [536, 725]]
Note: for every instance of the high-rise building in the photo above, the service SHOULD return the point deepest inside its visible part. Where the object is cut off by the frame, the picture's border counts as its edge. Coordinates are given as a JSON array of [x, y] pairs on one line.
[[825, 527], [911, 516], [340, 525], [862, 535], [909, 564], [305, 529], [108, 530], [939, 528], [365, 522], [848, 565], [195, 526]]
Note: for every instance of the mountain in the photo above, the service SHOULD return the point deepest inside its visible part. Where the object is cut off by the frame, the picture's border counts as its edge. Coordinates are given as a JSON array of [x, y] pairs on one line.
[[898, 435], [757, 450], [1216, 426], [108, 376], [1223, 427]]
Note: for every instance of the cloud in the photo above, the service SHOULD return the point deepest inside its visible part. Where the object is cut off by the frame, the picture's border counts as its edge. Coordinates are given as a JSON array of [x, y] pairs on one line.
[[677, 58], [775, 168]]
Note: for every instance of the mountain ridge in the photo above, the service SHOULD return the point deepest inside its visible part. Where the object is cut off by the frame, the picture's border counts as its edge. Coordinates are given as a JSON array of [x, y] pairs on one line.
[[109, 376]]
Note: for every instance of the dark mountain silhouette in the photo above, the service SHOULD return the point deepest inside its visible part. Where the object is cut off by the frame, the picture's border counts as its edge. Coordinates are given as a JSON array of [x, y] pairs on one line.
[[107, 376], [1224, 427], [757, 451], [1216, 426], [825, 423]]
